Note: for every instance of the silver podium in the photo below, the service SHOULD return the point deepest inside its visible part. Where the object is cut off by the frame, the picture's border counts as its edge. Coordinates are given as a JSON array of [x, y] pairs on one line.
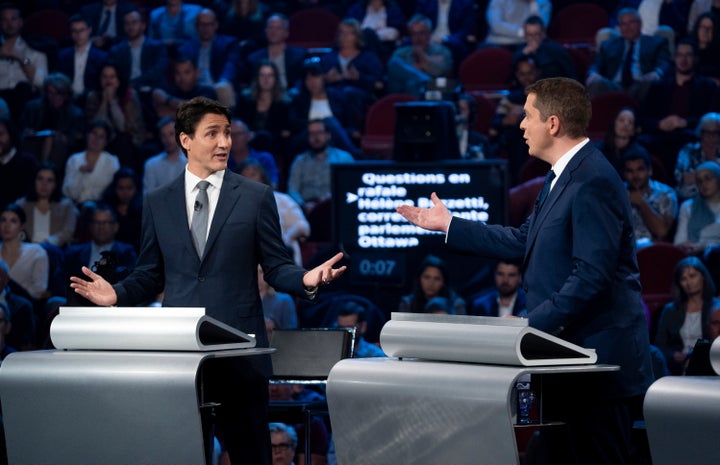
[[124, 387], [447, 393], [682, 417]]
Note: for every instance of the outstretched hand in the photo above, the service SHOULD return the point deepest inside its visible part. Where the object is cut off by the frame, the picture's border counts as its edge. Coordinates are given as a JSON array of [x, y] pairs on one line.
[[97, 290], [435, 218], [324, 273]]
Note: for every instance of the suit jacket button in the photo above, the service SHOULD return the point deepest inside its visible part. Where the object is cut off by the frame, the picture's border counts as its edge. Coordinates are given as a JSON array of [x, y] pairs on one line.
[[201, 279]]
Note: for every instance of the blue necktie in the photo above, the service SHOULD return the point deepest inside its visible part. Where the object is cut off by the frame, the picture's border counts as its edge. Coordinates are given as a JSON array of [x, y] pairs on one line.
[[545, 190]]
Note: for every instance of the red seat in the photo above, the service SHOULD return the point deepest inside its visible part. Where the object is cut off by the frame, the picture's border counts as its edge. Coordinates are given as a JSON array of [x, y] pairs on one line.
[[378, 140], [312, 28], [582, 58], [604, 109], [657, 264], [485, 112], [49, 22], [578, 23], [522, 200], [488, 68]]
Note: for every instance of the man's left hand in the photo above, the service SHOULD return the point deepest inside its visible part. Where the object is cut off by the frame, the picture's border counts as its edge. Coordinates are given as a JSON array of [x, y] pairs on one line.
[[324, 273]]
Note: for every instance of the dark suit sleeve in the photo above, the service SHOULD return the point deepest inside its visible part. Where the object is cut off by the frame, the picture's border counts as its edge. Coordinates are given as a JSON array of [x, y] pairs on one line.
[[493, 241], [597, 229]]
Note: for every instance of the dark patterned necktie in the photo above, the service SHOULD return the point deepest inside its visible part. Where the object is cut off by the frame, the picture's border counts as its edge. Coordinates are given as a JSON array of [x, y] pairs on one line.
[[545, 190]]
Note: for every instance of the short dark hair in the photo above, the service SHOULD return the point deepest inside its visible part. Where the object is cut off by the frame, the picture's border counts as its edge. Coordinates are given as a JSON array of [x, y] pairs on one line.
[[190, 113], [565, 98], [56, 194], [352, 307], [535, 19], [637, 152], [17, 209]]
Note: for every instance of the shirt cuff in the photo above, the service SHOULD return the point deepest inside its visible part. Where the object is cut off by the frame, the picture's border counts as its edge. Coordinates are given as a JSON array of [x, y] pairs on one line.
[[448, 229]]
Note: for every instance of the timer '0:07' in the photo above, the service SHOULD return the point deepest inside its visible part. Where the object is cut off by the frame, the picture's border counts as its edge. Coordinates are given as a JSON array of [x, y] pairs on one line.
[[377, 267]]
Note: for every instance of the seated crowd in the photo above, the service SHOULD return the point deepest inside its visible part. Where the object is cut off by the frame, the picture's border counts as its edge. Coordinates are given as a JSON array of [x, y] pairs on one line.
[[87, 128]]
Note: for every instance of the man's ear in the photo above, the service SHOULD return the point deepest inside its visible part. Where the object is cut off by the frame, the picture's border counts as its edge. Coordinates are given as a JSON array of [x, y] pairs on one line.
[[185, 141], [553, 124]]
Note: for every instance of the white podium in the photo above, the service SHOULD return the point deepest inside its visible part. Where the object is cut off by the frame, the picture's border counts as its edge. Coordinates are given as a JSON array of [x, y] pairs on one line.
[[124, 387], [446, 394]]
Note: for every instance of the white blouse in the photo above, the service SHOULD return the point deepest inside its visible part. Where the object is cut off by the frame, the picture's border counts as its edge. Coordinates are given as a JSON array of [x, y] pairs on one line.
[[31, 269]]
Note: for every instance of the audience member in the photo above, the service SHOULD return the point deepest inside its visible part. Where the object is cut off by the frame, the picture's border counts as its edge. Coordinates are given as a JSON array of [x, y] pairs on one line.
[[19, 316], [674, 105], [380, 20], [654, 205], [350, 314], [287, 59], [686, 319], [28, 263], [509, 113], [210, 52], [118, 105], [351, 67], [245, 20], [284, 441], [24, 68], [82, 61], [453, 23], [550, 57], [309, 180], [144, 60], [691, 155], [630, 62], [698, 7], [174, 22], [106, 18], [431, 281], [699, 218], [714, 324], [184, 87], [278, 307], [507, 297], [89, 172], [4, 110], [264, 105], [53, 119], [168, 164], [5, 327], [505, 20], [240, 152], [621, 139], [17, 167], [319, 440], [413, 66], [50, 217], [706, 33], [123, 195], [473, 144], [664, 18], [340, 110], [293, 224]]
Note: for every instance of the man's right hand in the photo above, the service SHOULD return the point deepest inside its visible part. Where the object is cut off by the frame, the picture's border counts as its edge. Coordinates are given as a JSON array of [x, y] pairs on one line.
[[97, 290], [436, 218]]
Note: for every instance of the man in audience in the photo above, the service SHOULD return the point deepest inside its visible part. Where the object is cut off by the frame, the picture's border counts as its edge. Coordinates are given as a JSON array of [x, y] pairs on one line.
[[23, 68], [654, 205], [82, 61], [309, 182], [453, 24], [352, 315], [210, 53], [17, 168], [412, 67], [5, 326], [505, 19], [168, 164], [174, 22], [550, 57], [18, 315], [144, 59], [288, 59], [185, 86], [319, 438], [106, 18], [630, 62], [284, 441], [241, 151], [508, 297]]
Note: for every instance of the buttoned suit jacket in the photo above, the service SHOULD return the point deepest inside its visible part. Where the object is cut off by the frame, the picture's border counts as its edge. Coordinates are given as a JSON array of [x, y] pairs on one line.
[[220, 50], [244, 232], [95, 61], [93, 15], [580, 271], [654, 56], [153, 62]]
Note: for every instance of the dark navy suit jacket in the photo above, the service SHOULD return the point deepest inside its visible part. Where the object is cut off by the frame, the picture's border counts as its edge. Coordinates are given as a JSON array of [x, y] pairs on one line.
[[487, 304], [153, 62], [77, 256], [93, 15], [461, 17], [294, 57], [95, 61], [580, 271], [654, 56], [219, 52]]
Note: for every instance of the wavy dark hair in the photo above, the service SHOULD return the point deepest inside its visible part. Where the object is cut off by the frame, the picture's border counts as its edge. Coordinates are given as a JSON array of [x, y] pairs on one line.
[[417, 305], [679, 295], [56, 194]]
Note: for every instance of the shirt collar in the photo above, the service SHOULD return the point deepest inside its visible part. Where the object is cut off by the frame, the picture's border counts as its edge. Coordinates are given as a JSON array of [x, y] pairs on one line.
[[563, 161], [215, 179]]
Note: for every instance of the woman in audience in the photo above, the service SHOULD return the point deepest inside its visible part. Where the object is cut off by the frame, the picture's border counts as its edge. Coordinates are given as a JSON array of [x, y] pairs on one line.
[[431, 282], [88, 173], [28, 263], [263, 106], [706, 34], [691, 155], [686, 319], [50, 216], [620, 138], [293, 224], [118, 105], [380, 20], [278, 307], [123, 195], [699, 218], [244, 19]]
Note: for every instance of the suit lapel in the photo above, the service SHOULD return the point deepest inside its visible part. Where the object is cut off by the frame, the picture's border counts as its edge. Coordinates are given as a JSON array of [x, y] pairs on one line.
[[179, 223], [229, 195]]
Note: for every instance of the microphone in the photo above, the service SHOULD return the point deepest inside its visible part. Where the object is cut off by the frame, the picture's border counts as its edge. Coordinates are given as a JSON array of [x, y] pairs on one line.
[[198, 206]]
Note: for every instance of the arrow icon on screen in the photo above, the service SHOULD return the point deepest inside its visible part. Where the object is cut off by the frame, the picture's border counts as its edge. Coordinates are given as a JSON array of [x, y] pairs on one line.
[[350, 197]]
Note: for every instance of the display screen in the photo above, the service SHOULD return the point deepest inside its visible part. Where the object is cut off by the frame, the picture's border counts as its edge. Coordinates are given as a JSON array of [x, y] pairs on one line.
[[383, 243]]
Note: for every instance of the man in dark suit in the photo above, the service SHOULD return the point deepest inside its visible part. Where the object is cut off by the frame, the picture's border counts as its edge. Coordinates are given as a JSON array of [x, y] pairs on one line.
[[81, 56], [276, 33], [550, 57], [209, 259], [580, 269], [106, 18], [507, 297], [150, 69]]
